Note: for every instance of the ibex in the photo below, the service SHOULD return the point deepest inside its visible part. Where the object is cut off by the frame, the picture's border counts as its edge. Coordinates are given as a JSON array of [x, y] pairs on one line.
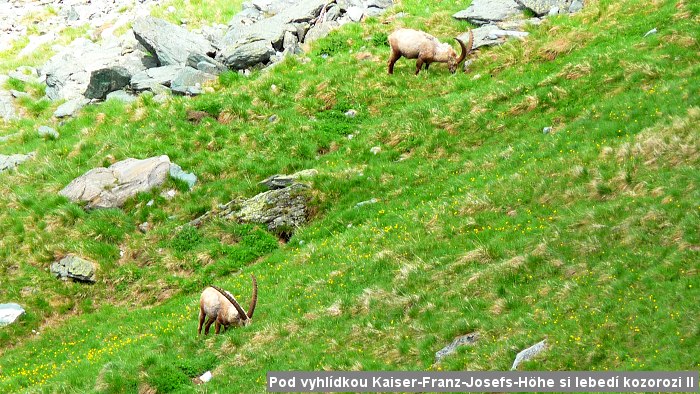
[[217, 305], [415, 44]]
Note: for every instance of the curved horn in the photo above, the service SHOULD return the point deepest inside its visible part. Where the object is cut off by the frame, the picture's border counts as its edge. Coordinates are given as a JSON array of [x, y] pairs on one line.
[[254, 300], [466, 49], [232, 301]]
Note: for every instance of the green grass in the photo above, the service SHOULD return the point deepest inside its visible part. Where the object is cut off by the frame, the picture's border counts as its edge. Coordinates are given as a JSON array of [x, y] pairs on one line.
[[587, 236]]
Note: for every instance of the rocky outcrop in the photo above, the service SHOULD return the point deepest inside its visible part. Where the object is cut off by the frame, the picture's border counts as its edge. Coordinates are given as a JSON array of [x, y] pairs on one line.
[[170, 44], [145, 80], [9, 313], [75, 268], [281, 210], [88, 70], [111, 187]]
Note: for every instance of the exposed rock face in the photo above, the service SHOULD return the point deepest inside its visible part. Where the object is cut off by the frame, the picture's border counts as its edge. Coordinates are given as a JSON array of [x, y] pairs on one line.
[[9, 313], [74, 267], [7, 108], [86, 69], [171, 44], [482, 12], [111, 187], [281, 209], [48, 132], [12, 161]]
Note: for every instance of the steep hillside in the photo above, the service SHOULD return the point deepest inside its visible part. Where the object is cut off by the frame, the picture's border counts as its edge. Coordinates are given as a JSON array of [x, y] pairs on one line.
[[587, 235]]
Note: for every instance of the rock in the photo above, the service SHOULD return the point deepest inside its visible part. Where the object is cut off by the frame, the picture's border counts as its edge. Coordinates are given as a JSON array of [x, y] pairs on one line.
[[320, 30], [85, 69], [144, 227], [282, 210], [170, 44], [269, 30], [49, 132], [9, 313], [176, 172], [24, 74], [375, 150], [35, 42], [206, 377], [18, 94], [145, 80], [7, 107], [272, 118], [111, 187], [551, 7], [189, 81], [123, 96], [468, 339], [6, 138], [482, 12], [280, 181], [546, 130], [368, 202], [489, 35], [70, 107], [75, 268], [248, 55], [351, 113], [12, 161], [529, 353], [206, 64], [355, 13], [576, 6]]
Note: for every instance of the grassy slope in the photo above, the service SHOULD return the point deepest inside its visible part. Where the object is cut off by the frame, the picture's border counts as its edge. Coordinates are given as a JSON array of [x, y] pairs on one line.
[[587, 236]]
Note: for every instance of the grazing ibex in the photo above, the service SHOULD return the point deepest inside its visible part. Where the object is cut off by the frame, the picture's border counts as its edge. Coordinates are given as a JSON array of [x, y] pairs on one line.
[[217, 305], [415, 44]]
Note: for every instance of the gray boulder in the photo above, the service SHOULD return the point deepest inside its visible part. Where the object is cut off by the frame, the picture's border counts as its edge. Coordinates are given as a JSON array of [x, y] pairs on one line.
[[482, 12], [281, 210], [247, 55], [206, 64], [176, 172], [48, 132], [12, 161], [171, 44], [529, 353], [154, 76], [74, 267], [85, 69], [545, 7], [70, 107], [121, 95], [189, 81], [111, 187], [9, 313]]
